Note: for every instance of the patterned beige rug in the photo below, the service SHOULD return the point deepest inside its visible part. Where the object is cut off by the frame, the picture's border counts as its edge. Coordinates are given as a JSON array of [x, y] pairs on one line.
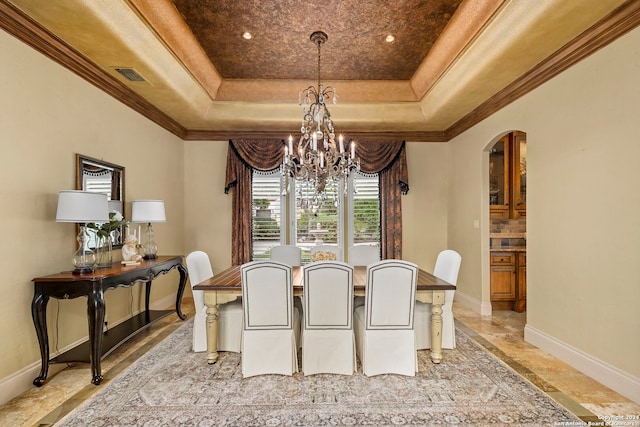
[[171, 386]]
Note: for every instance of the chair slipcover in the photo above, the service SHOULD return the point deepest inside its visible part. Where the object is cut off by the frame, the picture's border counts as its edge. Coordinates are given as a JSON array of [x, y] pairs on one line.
[[447, 268], [270, 319], [385, 340], [328, 343], [363, 255], [287, 254], [229, 315], [290, 255], [326, 253]]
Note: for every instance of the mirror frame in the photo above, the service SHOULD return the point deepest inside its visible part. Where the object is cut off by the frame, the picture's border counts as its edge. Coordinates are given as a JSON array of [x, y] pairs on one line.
[[81, 161]]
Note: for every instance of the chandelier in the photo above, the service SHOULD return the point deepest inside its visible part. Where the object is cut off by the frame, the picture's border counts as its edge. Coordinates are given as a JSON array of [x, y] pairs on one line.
[[317, 159]]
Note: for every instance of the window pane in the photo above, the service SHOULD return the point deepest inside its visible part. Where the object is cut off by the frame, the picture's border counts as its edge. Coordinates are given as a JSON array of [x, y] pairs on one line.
[[266, 213], [366, 210], [317, 225]]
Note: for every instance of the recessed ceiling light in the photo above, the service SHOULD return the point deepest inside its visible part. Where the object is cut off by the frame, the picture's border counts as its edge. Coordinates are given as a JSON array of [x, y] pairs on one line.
[[247, 35], [390, 38]]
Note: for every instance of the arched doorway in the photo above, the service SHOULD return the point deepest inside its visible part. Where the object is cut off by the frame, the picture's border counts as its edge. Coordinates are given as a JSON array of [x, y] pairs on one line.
[[507, 221]]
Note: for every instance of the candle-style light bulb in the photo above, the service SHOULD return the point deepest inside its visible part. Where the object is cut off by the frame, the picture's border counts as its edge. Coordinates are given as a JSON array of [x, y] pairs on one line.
[[290, 144], [341, 144], [353, 150]]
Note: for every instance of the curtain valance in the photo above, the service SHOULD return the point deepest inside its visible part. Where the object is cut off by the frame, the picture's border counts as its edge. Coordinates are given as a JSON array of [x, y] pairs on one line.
[[266, 155]]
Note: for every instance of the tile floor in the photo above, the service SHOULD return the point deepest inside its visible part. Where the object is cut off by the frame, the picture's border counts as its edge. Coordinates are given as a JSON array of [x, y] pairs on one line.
[[502, 334]]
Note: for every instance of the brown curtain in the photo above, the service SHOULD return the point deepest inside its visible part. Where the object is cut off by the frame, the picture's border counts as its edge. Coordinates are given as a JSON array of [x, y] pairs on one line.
[[389, 160], [116, 191], [386, 158], [243, 156]]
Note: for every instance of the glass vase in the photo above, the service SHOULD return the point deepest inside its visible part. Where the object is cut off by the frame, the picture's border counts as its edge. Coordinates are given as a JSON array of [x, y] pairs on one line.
[[104, 253]]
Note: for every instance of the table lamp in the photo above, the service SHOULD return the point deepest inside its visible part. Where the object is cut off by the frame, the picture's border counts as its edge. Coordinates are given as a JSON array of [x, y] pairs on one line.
[[148, 211], [82, 207]]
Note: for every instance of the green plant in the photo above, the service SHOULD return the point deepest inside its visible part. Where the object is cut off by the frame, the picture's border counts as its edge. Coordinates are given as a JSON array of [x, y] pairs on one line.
[[104, 230]]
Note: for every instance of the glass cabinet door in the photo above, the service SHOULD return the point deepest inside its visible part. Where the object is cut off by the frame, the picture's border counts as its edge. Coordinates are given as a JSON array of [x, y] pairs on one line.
[[499, 179], [520, 170]]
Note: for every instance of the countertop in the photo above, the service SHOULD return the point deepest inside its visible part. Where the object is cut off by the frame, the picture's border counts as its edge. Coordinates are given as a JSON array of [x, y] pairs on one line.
[[508, 249]]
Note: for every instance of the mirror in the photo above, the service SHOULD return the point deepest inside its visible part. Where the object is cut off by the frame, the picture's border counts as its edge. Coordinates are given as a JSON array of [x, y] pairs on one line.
[[98, 176]]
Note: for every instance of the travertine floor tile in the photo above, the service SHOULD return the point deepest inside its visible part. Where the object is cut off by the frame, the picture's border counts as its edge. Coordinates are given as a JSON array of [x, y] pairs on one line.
[[502, 333]]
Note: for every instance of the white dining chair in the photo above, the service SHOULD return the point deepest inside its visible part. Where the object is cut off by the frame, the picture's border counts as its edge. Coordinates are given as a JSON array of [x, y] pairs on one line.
[[328, 343], [363, 255], [383, 326], [290, 255], [229, 314], [287, 254], [446, 268], [270, 319], [326, 253]]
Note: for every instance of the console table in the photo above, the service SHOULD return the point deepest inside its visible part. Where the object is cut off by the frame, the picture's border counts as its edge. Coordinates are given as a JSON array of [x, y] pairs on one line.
[[93, 285]]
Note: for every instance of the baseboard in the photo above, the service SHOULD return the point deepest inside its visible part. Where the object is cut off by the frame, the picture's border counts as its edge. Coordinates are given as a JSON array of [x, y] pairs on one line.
[[482, 308], [612, 377], [22, 380]]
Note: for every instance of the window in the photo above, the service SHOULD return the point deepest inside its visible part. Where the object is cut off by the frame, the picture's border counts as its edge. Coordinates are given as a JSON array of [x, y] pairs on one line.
[[317, 225], [314, 225], [364, 211], [267, 216]]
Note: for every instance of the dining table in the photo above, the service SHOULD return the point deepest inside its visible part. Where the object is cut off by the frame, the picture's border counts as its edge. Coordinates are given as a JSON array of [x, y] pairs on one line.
[[226, 286]]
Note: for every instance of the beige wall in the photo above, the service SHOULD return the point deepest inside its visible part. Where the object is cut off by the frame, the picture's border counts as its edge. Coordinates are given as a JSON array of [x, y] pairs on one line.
[[48, 114], [424, 208], [583, 226], [207, 224]]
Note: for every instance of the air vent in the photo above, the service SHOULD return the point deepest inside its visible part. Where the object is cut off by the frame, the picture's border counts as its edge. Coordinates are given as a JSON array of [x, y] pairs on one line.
[[130, 74]]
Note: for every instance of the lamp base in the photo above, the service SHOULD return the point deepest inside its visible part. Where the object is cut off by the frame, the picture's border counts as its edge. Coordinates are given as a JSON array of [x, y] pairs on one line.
[[150, 256], [82, 271]]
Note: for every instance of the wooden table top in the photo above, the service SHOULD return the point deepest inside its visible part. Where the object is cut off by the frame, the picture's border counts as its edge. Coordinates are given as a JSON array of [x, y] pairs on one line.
[[103, 273], [231, 280]]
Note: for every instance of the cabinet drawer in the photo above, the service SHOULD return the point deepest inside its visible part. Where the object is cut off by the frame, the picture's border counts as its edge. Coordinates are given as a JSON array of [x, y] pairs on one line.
[[502, 258]]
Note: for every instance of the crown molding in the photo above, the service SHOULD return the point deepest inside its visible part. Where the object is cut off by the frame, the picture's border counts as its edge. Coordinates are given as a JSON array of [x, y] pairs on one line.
[[616, 24]]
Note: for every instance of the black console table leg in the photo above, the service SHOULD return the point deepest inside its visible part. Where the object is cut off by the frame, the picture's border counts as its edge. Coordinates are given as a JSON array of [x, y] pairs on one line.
[[39, 315], [95, 313], [183, 281]]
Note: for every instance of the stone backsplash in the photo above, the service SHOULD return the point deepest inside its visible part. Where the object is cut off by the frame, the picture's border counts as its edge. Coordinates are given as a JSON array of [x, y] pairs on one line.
[[508, 234]]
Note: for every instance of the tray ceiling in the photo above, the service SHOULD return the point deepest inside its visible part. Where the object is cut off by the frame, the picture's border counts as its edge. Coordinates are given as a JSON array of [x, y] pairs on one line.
[[451, 63]]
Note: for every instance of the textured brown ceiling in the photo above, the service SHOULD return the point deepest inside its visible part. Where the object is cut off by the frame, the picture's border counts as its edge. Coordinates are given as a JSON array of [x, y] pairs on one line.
[[453, 63], [281, 49]]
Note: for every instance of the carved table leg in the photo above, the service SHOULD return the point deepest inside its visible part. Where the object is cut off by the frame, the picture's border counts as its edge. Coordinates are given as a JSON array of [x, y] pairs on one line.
[[95, 314], [436, 326], [211, 300], [147, 298], [39, 315], [183, 281]]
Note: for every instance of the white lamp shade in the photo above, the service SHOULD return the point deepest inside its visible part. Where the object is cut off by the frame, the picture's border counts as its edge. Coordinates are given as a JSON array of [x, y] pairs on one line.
[[148, 211], [82, 206]]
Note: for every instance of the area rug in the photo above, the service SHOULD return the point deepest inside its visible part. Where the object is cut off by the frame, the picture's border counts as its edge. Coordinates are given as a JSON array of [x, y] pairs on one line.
[[171, 386]]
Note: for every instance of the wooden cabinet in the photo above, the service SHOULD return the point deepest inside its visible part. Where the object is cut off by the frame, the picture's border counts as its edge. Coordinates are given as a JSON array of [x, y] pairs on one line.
[[508, 281], [520, 304], [508, 177], [503, 276]]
